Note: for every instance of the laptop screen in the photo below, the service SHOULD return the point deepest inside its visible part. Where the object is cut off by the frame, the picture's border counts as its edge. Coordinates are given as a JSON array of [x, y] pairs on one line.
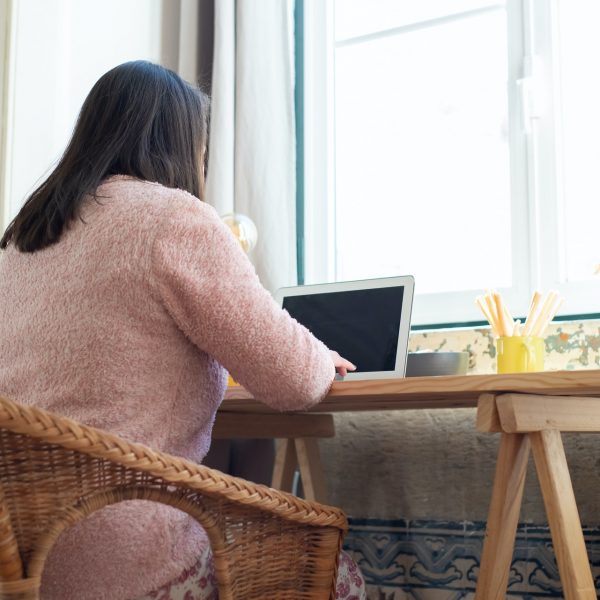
[[362, 325]]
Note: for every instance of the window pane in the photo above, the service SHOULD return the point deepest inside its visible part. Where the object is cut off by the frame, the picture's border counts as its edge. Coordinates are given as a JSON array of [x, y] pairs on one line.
[[361, 17], [422, 166], [580, 86]]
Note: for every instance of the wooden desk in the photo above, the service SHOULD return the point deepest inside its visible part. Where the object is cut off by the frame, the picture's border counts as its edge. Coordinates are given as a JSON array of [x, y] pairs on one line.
[[429, 392], [300, 445], [300, 431], [528, 408]]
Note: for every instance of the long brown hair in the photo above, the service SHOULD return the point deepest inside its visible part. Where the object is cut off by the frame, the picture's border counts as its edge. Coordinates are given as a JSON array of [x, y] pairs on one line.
[[139, 119]]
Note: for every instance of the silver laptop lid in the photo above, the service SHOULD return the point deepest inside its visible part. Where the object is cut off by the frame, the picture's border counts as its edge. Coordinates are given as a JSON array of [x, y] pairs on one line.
[[367, 322]]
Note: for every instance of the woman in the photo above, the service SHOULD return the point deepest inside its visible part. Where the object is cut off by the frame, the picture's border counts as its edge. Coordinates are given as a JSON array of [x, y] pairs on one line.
[[121, 295]]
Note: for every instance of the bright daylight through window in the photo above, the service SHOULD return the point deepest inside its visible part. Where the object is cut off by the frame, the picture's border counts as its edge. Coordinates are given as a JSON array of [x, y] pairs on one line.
[[455, 141]]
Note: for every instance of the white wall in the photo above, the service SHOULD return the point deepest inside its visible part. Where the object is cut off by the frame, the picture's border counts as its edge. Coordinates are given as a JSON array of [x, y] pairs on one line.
[[61, 47], [5, 63]]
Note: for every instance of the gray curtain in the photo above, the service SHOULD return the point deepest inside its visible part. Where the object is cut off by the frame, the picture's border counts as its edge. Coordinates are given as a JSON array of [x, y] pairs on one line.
[[188, 39], [252, 154]]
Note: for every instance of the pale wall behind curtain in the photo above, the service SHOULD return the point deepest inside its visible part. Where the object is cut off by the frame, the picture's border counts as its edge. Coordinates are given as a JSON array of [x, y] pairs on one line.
[[5, 45], [252, 151], [58, 49]]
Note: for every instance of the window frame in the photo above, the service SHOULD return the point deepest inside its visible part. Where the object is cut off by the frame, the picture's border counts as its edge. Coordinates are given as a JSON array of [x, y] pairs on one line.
[[547, 172], [534, 129]]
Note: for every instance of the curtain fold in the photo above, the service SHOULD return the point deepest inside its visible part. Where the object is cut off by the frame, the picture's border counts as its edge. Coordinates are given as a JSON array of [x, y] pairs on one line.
[[187, 39], [252, 152], [221, 169], [242, 53]]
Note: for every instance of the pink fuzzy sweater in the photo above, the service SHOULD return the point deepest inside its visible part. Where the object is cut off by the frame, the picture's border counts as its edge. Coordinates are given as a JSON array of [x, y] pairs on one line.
[[126, 325]]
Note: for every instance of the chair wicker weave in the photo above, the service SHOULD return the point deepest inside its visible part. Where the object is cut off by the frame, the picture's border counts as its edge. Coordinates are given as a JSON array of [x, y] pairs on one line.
[[54, 472]]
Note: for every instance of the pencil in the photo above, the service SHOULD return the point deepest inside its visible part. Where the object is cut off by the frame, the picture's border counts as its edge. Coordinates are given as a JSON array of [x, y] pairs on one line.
[[535, 301]]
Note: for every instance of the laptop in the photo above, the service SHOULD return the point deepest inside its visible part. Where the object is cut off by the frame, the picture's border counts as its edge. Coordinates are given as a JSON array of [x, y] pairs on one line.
[[367, 322]]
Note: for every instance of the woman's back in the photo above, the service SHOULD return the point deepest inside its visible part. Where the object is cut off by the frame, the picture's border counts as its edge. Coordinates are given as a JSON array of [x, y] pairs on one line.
[[83, 331], [118, 311], [89, 329], [83, 334]]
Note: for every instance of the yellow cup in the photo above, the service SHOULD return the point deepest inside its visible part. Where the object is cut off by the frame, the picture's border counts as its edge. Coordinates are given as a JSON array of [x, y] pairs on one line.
[[520, 354]]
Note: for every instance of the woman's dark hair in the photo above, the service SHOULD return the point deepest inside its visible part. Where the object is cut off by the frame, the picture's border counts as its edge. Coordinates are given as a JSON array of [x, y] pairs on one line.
[[140, 119]]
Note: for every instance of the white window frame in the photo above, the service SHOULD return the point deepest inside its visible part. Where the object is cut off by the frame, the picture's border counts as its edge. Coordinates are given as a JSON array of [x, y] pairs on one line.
[[533, 104], [547, 170], [319, 234]]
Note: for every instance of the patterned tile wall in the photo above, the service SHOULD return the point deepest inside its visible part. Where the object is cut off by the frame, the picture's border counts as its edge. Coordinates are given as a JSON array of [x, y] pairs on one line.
[[569, 345], [439, 560]]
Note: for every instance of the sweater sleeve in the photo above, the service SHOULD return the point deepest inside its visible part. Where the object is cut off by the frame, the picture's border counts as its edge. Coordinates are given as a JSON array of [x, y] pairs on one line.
[[211, 290]]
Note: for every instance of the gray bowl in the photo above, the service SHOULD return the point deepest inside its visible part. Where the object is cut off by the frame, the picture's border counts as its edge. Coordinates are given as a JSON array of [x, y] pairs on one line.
[[427, 364]]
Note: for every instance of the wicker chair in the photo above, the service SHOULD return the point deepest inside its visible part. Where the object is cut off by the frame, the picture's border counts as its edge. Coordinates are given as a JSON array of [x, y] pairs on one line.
[[54, 472]]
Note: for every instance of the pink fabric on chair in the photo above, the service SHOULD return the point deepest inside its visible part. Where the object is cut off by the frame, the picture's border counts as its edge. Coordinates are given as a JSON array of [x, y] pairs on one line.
[[200, 583]]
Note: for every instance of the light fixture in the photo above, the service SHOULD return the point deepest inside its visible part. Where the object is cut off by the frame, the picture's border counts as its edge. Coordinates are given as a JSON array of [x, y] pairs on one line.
[[243, 229]]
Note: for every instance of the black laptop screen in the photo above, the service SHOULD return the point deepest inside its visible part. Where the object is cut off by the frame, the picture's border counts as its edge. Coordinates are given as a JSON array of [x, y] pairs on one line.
[[362, 325]]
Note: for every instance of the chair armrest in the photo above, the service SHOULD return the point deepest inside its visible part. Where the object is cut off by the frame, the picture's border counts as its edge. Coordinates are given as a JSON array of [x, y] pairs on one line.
[[266, 543]]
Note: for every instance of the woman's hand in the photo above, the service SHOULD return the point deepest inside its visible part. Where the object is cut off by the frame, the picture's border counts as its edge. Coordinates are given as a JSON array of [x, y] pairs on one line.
[[342, 366]]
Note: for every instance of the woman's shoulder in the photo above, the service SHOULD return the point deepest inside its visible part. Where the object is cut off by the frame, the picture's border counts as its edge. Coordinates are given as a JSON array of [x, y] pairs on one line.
[[149, 202], [139, 190]]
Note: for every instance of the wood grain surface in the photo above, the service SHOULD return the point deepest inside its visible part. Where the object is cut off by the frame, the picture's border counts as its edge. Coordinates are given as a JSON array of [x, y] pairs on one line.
[[456, 391], [248, 426], [528, 412], [563, 516]]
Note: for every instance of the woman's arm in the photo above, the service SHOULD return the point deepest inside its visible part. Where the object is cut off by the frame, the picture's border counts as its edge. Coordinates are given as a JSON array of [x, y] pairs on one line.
[[210, 289]]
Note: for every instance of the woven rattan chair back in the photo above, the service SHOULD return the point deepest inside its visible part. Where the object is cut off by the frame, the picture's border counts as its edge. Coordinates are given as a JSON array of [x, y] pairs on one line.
[[55, 472]]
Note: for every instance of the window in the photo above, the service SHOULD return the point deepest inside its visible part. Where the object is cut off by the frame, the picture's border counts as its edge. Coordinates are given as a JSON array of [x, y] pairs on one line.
[[455, 141]]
